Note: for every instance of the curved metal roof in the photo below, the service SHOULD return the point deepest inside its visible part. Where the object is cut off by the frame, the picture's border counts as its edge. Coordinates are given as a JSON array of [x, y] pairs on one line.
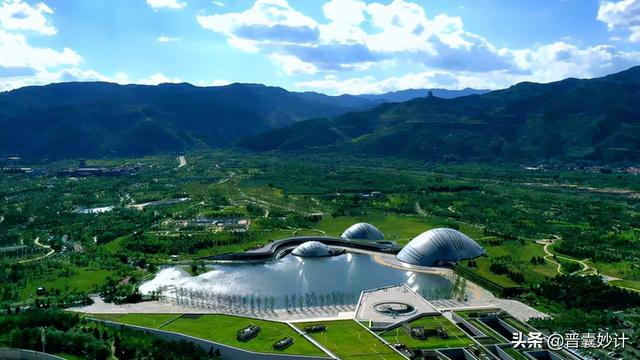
[[437, 245], [312, 249], [362, 231]]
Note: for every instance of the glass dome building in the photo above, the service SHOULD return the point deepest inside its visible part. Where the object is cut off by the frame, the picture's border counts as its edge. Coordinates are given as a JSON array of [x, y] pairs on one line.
[[362, 231], [312, 249], [436, 246]]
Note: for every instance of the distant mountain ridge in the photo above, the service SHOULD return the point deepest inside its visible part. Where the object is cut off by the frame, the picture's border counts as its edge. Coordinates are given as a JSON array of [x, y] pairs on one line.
[[410, 94], [95, 119], [569, 120]]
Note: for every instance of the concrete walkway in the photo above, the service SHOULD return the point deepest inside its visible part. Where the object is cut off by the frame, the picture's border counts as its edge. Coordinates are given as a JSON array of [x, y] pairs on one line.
[[472, 291], [341, 312]]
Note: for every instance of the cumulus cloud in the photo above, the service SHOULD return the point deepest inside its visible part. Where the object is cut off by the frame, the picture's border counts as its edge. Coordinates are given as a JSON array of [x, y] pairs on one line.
[[16, 15], [170, 4], [624, 14], [15, 51], [293, 65], [220, 82], [23, 64], [76, 74], [546, 63], [44, 77], [166, 39], [157, 78], [266, 23], [356, 36]]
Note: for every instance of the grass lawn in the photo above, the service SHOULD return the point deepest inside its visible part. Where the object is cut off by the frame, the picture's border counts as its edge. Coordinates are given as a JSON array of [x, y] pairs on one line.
[[395, 227], [499, 339], [349, 340], [522, 255], [147, 320], [457, 337], [625, 270], [632, 284], [82, 279], [114, 245], [524, 328], [223, 328]]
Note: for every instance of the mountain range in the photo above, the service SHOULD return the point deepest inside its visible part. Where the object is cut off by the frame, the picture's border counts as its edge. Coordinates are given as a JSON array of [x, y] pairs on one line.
[[569, 120], [96, 119], [566, 121]]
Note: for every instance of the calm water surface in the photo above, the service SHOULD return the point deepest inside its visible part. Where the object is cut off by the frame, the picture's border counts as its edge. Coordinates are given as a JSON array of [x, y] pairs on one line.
[[347, 273]]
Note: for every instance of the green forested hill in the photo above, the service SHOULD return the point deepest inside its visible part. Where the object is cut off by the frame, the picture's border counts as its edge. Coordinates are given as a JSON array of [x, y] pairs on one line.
[[595, 119], [71, 120]]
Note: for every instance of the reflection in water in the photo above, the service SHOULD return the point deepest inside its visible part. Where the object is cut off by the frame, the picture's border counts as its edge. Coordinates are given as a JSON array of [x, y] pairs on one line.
[[348, 273]]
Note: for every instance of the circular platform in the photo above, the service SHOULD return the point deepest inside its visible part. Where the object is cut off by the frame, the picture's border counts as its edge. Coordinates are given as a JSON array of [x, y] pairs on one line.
[[394, 308]]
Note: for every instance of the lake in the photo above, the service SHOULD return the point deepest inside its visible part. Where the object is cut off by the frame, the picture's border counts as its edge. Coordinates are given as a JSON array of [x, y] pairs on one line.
[[349, 273]]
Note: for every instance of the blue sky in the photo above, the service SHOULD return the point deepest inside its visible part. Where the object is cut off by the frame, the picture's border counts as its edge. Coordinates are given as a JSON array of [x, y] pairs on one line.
[[331, 46]]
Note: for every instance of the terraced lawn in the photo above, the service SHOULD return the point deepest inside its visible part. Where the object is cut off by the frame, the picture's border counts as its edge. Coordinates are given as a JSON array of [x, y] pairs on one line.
[[153, 321], [515, 354], [222, 329], [524, 328], [457, 337], [349, 340], [499, 339]]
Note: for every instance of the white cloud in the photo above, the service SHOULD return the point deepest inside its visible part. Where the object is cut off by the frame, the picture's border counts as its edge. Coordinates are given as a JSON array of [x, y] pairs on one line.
[[16, 15], [216, 82], [263, 12], [220, 82], [356, 36], [47, 77], [16, 51], [170, 4], [218, 3], [624, 14], [345, 18], [25, 64], [267, 21], [157, 78], [166, 39], [292, 65], [76, 74], [546, 63]]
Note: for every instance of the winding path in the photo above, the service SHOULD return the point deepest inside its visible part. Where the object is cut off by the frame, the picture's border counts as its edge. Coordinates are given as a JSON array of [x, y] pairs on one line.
[[549, 257], [37, 242]]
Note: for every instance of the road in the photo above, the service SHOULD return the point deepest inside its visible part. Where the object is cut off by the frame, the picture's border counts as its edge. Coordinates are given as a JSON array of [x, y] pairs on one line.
[[37, 242]]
